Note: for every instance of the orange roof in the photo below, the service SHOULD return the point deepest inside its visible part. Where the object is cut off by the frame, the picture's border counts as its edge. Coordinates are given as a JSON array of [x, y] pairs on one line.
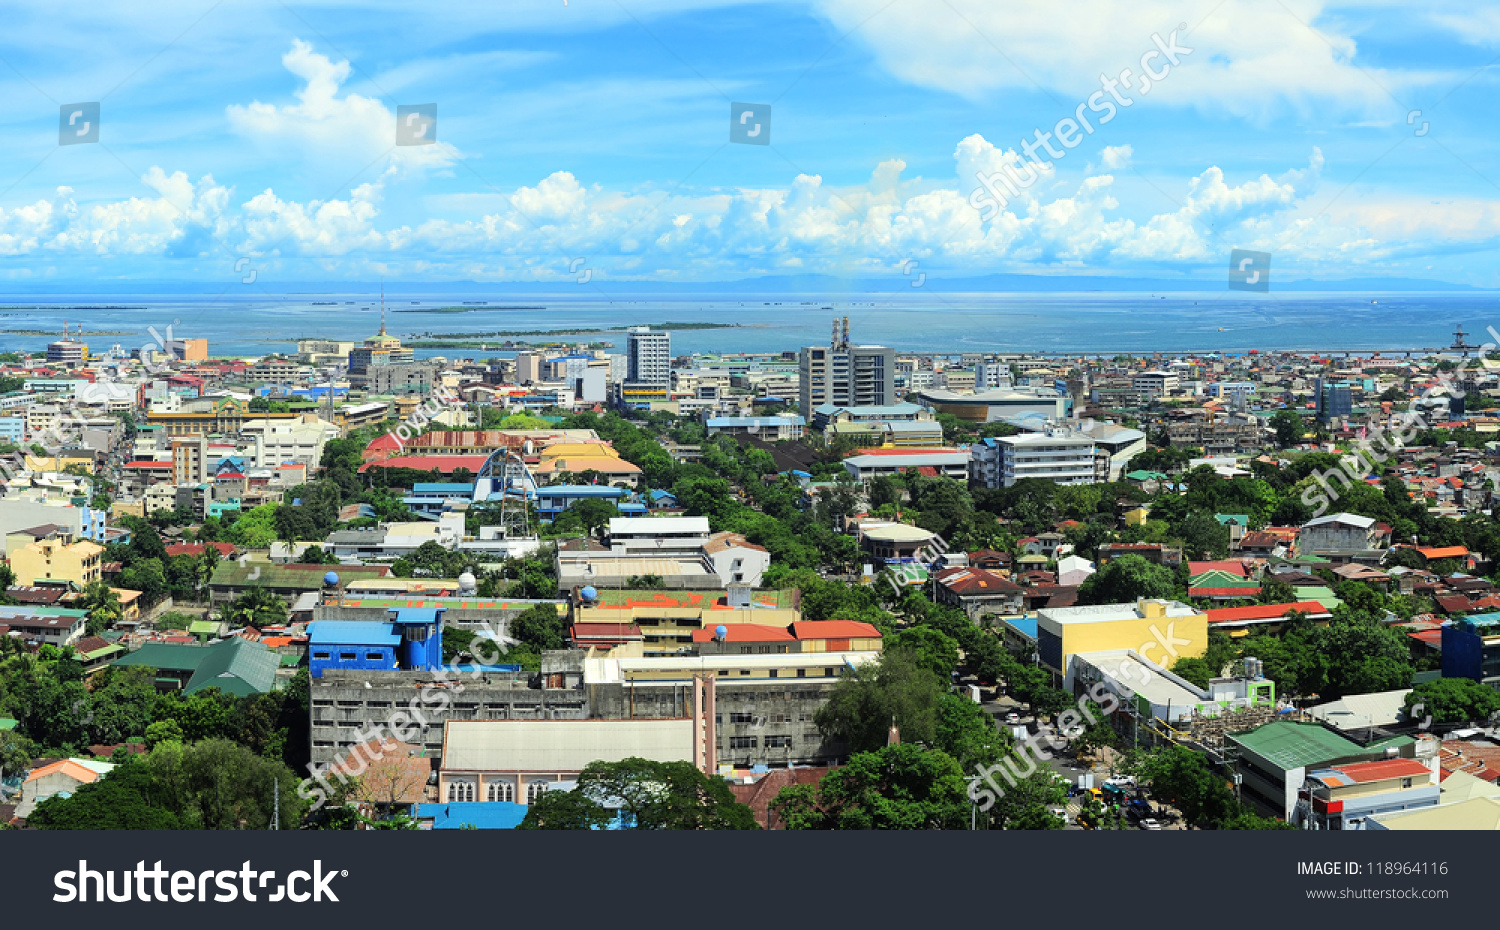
[[834, 629], [1444, 552], [745, 633], [66, 767], [1382, 769], [1232, 566]]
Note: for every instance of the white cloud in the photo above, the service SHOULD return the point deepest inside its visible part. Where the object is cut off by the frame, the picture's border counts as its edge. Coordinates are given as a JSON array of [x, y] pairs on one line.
[[349, 130], [1248, 58]]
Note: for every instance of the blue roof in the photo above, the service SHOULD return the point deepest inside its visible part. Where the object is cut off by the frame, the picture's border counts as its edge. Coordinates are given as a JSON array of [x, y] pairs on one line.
[[352, 633], [662, 495], [442, 487], [1024, 625], [580, 490], [405, 615], [484, 815]]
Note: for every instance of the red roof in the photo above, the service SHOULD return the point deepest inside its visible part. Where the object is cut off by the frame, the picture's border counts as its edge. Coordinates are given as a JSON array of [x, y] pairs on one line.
[[225, 549], [1224, 592], [1381, 769], [1232, 566], [834, 629], [443, 463], [912, 451], [1263, 612], [964, 580], [147, 463], [746, 633]]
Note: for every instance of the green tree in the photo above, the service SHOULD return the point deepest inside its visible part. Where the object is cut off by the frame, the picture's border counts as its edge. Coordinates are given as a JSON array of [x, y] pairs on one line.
[[1275, 591], [565, 810], [1452, 700], [1289, 428], [103, 604], [1194, 670], [665, 795], [895, 689], [1125, 579], [256, 607], [128, 798], [930, 647], [900, 787], [539, 627]]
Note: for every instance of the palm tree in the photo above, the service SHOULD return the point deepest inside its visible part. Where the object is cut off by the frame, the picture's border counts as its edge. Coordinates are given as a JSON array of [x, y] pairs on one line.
[[103, 604], [256, 607]]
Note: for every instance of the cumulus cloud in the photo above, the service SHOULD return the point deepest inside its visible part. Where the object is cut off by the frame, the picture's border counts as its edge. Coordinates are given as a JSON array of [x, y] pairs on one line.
[[348, 129]]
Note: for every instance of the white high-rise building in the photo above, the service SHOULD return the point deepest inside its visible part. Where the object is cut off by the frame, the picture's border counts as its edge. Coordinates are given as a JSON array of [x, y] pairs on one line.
[[649, 357]]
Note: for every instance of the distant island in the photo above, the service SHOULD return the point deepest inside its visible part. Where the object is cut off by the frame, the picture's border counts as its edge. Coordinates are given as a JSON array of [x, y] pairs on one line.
[[464, 309]]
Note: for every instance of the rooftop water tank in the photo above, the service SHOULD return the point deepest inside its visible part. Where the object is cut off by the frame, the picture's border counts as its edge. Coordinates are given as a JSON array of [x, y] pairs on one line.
[[331, 579]]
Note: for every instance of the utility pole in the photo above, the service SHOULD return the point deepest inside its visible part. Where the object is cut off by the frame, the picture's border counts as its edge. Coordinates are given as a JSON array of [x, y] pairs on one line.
[[276, 817]]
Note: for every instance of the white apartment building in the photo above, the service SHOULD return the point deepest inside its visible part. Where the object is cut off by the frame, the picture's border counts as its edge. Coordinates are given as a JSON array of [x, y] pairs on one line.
[[649, 356], [276, 443], [1154, 384], [1058, 455]]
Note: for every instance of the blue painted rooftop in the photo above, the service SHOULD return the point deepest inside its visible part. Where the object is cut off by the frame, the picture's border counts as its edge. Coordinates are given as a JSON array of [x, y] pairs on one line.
[[443, 487], [1024, 625], [482, 815], [405, 615], [580, 490], [352, 633], [784, 420]]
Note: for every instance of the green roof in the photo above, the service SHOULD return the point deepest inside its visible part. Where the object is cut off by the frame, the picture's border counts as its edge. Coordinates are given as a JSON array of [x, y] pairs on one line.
[[1227, 518], [235, 666], [1291, 744], [1320, 593], [8, 723], [101, 652], [230, 574], [1141, 475], [1218, 578], [209, 627], [761, 597]]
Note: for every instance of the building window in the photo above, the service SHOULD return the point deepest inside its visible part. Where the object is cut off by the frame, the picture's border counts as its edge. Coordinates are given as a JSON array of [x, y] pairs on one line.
[[778, 742], [741, 718], [460, 792], [741, 742], [801, 673], [320, 655], [500, 791], [373, 657], [346, 656], [535, 790]]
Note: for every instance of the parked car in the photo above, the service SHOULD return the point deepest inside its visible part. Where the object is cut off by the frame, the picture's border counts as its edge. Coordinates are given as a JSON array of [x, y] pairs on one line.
[[1012, 718], [1124, 781], [1150, 823]]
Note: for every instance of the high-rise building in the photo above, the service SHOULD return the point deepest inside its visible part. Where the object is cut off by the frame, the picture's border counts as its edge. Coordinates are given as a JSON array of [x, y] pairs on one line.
[[649, 357], [845, 374], [648, 367], [1333, 400]]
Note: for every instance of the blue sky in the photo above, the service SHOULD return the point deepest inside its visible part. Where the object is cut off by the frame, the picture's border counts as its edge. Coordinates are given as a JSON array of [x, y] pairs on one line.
[[261, 134]]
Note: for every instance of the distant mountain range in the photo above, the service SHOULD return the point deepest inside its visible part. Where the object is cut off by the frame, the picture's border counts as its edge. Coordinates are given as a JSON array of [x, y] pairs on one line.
[[817, 285]]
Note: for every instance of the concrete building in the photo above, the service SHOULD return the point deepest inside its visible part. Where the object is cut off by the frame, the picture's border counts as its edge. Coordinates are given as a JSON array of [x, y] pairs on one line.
[[52, 626], [517, 760], [62, 777], [989, 406], [845, 374], [1343, 797], [189, 459], [46, 559], [1155, 629], [1274, 760], [872, 463], [1341, 532], [1153, 385], [1059, 455]]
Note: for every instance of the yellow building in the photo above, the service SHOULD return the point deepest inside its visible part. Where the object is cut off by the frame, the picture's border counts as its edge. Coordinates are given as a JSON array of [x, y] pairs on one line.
[[1137, 517], [44, 559], [226, 416], [1160, 631], [37, 464]]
